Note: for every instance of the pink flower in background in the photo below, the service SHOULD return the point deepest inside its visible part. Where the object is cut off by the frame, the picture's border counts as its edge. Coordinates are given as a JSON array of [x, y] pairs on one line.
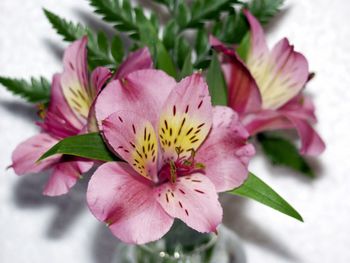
[[69, 113], [265, 88], [179, 152]]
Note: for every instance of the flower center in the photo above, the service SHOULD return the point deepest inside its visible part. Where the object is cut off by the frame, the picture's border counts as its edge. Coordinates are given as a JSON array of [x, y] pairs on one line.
[[182, 166]]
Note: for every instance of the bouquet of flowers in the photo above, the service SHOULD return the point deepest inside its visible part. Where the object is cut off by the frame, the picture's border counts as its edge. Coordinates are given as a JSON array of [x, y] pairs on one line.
[[167, 120]]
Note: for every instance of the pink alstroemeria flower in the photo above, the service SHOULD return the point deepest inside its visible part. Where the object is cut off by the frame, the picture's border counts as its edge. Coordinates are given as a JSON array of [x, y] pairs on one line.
[[266, 88], [179, 152], [69, 113]]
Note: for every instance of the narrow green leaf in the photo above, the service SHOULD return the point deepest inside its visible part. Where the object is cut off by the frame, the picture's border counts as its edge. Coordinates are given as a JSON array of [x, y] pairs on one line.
[[243, 48], [187, 68], [282, 152], [216, 82], [117, 49], [164, 60], [35, 91], [182, 48], [183, 14], [169, 34], [89, 146], [102, 42], [254, 188]]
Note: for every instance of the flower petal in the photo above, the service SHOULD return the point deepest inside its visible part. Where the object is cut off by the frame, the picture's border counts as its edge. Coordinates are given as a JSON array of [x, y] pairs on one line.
[[311, 142], [140, 59], [192, 199], [186, 117], [26, 154], [134, 139], [122, 199], [225, 153], [243, 92], [138, 91], [258, 47], [74, 79], [98, 78], [285, 74], [64, 176], [60, 121]]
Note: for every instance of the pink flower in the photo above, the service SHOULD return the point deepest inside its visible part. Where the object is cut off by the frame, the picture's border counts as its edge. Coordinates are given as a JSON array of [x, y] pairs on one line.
[[69, 113], [179, 152], [266, 88]]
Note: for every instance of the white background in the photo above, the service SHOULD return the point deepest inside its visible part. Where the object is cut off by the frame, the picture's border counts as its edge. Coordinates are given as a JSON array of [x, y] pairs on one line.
[[35, 229]]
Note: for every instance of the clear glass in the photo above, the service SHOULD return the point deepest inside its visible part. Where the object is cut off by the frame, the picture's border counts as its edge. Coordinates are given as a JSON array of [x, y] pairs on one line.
[[184, 245]]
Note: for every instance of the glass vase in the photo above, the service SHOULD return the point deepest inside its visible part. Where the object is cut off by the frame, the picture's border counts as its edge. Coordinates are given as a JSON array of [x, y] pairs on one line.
[[184, 245]]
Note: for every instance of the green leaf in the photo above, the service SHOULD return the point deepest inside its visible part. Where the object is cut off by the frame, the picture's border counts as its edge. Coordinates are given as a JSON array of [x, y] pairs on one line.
[[34, 91], [243, 48], [170, 31], [183, 14], [67, 29], [98, 48], [89, 146], [117, 49], [119, 13], [164, 60], [254, 188], [216, 82], [264, 10], [207, 10], [282, 152], [187, 68], [182, 48]]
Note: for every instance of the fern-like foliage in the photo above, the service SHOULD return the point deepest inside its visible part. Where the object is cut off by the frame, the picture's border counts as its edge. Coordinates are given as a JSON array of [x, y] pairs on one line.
[[37, 90], [123, 16], [99, 53], [264, 10]]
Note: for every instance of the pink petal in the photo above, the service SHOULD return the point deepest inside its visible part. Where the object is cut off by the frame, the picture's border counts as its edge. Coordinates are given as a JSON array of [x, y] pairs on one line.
[[258, 47], [26, 155], [243, 93], [140, 59], [186, 117], [192, 199], [311, 142], [266, 120], [225, 153], [122, 199], [284, 76], [60, 120], [99, 77], [142, 92], [302, 106], [74, 79], [64, 176], [134, 139]]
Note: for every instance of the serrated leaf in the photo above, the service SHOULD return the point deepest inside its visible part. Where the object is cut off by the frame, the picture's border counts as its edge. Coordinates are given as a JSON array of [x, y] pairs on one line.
[[264, 10], [282, 152], [216, 82], [90, 146], [206, 10], [254, 188], [34, 91], [98, 52], [118, 13]]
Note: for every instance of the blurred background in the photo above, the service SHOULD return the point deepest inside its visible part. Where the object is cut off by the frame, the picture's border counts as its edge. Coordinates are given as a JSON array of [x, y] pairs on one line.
[[34, 228]]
